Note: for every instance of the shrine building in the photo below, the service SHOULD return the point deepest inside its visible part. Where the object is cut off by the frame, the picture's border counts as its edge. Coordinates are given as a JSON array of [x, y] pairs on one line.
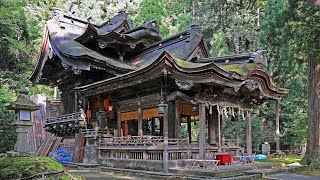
[[129, 92]]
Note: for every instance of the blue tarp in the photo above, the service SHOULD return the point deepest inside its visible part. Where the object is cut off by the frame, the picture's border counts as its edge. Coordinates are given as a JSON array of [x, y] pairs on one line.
[[61, 151], [260, 156], [62, 155], [64, 159]]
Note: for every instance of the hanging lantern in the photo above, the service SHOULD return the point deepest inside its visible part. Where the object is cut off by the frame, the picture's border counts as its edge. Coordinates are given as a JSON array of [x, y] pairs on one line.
[[162, 107], [110, 107], [194, 109]]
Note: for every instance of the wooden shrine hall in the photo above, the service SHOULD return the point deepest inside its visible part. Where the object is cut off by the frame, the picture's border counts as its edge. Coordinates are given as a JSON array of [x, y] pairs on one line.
[[129, 91]]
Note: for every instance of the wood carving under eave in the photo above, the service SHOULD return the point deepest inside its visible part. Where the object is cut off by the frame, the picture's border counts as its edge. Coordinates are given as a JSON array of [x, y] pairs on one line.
[[178, 94], [224, 100], [150, 101]]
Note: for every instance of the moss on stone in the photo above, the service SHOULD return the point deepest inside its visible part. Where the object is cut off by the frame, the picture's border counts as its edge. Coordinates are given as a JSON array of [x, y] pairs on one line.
[[20, 167]]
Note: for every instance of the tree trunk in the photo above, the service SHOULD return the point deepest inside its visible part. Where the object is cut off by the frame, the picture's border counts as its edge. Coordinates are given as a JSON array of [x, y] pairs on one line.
[[312, 155]]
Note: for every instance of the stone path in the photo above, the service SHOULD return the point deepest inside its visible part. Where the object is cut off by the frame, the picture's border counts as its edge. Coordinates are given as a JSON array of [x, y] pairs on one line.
[[290, 176]]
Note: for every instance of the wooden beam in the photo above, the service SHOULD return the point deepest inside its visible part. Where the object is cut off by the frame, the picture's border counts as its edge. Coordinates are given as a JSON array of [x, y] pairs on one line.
[[177, 119], [202, 133], [249, 134], [277, 127]]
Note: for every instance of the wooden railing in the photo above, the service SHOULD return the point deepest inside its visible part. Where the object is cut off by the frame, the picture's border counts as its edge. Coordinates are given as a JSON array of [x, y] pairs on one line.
[[89, 133], [153, 154], [64, 118], [138, 141], [152, 148]]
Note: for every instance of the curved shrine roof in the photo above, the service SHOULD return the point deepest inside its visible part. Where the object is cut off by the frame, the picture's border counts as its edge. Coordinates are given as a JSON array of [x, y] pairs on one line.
[[130, 53]]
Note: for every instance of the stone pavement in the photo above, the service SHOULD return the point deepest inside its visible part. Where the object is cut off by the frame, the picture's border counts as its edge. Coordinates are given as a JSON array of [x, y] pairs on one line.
[[291, 176]]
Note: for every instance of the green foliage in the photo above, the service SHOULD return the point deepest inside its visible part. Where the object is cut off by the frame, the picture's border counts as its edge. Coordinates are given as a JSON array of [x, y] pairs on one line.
[[18, 167], [152, 10], [172, 16], [218, 44], [230, 24], [8, 136]]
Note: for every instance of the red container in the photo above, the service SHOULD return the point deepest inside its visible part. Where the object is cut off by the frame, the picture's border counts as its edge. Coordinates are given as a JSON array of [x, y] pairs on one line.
[[224, 158]]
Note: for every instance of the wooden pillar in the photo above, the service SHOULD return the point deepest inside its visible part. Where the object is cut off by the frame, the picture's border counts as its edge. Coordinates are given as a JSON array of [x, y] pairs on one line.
[[119, 123], [249, 135], [189, 127], [161, 126], [277, 127], [140, 130], [221, 129], [126, 128], [177, 119], [202, 134], [76, 102], [211, 125], [219, 133], [165, 141], [153, 126], [101, 120], [171, 120], [84, 104]]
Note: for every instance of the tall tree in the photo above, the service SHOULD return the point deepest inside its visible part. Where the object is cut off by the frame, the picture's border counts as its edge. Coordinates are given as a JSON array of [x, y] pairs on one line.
[[237, 19], [312, 27]]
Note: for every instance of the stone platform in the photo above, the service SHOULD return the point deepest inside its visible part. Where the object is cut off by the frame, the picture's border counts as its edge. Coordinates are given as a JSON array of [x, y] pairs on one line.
[[235, 171], [225, 171]]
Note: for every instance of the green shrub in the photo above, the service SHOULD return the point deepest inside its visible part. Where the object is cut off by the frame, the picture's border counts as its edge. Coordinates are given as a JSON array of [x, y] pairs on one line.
[[20, 167]]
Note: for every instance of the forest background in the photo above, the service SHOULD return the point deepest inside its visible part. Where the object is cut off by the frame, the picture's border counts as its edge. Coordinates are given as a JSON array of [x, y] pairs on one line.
[[282, 27]]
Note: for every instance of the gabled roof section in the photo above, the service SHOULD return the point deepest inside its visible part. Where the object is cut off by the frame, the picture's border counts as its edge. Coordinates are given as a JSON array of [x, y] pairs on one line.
[[185, 46]]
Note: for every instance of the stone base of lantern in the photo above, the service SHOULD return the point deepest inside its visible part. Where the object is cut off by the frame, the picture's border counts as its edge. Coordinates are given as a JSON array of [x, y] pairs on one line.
[[22, 144]]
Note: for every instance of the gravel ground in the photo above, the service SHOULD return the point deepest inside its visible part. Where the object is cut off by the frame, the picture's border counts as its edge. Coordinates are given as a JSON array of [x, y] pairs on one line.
[[290, 176]]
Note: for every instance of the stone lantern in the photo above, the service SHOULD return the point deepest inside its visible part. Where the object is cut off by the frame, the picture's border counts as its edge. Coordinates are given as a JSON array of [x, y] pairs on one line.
[[23, 107]]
